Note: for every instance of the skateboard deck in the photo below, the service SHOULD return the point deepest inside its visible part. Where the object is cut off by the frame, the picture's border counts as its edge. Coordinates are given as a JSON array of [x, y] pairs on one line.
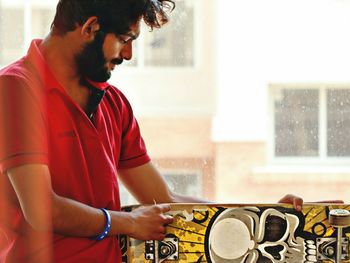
[[244, 233]]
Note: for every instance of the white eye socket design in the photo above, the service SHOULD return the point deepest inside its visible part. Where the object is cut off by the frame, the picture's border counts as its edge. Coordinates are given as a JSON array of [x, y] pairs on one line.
[[230, 233]]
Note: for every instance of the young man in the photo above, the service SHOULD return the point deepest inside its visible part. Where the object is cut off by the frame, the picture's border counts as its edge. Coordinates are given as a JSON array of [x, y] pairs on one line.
[[68, 136]]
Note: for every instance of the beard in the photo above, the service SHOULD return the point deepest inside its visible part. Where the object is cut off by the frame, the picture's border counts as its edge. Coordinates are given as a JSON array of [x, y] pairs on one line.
[[91, 61]]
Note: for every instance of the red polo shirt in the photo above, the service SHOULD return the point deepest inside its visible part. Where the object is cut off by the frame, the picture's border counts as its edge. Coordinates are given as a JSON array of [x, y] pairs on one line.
[[40, 123]]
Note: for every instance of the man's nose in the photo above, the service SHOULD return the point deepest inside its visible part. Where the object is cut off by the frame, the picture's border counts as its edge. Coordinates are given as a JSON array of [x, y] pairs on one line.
[[127, 51]]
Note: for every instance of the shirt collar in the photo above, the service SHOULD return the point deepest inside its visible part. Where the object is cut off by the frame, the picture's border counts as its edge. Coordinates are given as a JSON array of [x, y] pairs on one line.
[[99, 85], [36, 58]]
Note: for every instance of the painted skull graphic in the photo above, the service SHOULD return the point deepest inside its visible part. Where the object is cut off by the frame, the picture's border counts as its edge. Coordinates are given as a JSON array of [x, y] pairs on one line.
[[250, 235]]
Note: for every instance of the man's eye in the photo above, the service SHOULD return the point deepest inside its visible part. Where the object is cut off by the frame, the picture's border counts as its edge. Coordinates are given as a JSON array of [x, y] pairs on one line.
[[124, 40]]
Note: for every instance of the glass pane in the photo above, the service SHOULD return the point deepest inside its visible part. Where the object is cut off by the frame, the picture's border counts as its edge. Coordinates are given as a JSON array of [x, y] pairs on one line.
[[172, 45], [41, 21], [338, 122], [126, 198], [180, 183], [183, 183], [296, 122], [11, 34]]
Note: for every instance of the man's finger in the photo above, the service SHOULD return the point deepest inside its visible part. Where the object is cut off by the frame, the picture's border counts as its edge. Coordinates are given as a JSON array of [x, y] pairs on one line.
[[164, 207], [296, 201], [168, 219]]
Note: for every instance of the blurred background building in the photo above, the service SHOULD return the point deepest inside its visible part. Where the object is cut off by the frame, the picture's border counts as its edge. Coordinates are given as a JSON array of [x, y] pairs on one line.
[[238, 101]]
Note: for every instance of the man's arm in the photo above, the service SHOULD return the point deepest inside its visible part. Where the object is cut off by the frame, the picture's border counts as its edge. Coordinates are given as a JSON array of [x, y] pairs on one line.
[[41, 206]]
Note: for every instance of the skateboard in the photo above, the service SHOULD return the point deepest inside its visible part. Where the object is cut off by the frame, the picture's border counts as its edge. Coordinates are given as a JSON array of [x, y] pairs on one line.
[[247, 233]]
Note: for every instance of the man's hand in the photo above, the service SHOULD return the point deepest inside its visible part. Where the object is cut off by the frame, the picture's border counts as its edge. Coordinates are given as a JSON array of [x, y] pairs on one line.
[[296, 201], [149, 222]]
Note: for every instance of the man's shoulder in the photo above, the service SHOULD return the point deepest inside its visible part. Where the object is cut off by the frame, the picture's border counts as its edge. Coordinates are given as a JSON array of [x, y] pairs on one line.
[[16, 71], [19, 77], [117, 96], [115, 92]]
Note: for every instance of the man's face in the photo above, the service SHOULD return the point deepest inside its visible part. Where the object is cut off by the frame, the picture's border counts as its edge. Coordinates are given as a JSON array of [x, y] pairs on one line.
[[98, 58]]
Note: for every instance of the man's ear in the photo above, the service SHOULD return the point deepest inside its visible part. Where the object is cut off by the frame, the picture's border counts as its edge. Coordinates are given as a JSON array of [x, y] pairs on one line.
[[90, 27]]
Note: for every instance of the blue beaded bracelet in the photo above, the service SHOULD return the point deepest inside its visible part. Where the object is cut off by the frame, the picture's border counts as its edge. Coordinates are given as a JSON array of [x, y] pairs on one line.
[[107, 227]]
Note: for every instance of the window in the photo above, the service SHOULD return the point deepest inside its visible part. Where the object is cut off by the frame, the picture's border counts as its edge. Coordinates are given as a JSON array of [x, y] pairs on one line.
[[186, 183], [20, 21], [338, 122], [11, 41], [41, 21], [170, 46], [296, 122], [311, 121]]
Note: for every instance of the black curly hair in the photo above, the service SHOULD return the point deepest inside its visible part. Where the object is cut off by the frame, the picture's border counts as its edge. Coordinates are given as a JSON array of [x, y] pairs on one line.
[[114, 16]]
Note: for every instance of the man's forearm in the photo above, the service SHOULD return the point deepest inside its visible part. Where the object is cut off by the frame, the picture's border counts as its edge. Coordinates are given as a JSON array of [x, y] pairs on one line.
[[45, 211], [73, 218]]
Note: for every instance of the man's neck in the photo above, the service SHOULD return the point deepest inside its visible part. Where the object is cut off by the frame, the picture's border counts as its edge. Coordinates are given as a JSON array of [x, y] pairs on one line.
[[59, 53]]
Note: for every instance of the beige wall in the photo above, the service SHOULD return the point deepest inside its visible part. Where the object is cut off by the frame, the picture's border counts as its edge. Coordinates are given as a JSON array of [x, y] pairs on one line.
[[177, 137]]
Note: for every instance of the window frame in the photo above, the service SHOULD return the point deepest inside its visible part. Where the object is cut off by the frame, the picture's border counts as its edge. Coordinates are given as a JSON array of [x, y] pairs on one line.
[[322, 158]]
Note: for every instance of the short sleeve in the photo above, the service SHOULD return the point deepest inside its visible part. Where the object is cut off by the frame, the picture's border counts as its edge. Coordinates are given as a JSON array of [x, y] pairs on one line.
[[133, 148], [23, 138]]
